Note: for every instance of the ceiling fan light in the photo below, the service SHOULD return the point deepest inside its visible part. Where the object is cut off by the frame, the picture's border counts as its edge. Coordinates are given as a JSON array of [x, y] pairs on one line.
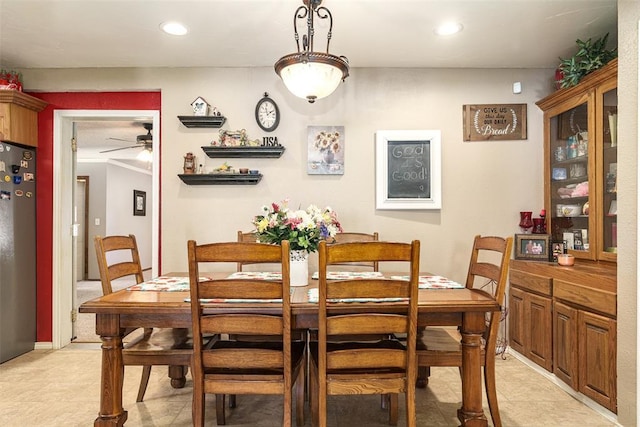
[[145, 156]]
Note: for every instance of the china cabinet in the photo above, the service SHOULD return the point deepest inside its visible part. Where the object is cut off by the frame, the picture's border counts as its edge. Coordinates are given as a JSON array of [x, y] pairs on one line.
[[563, 318], [530, 316], [580, 167], [19, 117]]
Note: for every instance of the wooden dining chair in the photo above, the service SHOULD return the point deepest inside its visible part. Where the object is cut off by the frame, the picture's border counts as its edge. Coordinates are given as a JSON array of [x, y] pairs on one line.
[[232, 367], [438, 346], [118, 257], [365, 367], [246, 237], [348, 237], [351, 237]]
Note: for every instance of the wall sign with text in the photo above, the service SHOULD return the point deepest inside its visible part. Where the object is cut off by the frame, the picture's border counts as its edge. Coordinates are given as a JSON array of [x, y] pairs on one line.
[[408, 169], [486, 122]]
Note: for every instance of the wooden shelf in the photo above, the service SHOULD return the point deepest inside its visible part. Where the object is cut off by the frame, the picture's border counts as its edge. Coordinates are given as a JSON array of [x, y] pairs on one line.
[[234, 152], [220, 179], [202, 121]]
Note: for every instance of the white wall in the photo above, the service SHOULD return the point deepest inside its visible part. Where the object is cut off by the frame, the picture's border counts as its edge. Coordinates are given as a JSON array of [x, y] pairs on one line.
[[110, 194], [121, 181], [485, 184], [628, 21]]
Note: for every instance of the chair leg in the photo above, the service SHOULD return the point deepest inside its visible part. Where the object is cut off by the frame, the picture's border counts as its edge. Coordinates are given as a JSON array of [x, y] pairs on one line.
[[287, 407], [490, 388], [220, 418], [232, 401], [197, 407], [144, 381], [410, 406], [300, 388], [393, 409], [313, 394]]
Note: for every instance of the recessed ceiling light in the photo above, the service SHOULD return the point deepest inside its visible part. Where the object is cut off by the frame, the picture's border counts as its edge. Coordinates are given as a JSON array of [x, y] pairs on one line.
[[448, 28], [174, 28]]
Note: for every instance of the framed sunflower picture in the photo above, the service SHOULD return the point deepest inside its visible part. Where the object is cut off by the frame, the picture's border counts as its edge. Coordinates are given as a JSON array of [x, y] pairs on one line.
[[325, 150]]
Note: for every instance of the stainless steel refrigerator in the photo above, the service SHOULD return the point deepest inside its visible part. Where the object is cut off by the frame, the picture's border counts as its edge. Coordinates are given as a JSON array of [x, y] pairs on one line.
[[17, 250]]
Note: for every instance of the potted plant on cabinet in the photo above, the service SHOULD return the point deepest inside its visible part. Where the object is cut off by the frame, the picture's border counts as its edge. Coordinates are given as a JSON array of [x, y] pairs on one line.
[[591, 55]]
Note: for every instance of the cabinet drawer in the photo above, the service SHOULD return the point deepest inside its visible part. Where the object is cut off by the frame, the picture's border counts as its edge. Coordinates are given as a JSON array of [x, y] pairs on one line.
[[531, 282], [590, 298]]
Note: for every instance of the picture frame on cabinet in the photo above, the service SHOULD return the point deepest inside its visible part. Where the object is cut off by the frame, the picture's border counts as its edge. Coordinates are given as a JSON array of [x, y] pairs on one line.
[[559, 174], [408, 169], [557, 248], [534, 247]]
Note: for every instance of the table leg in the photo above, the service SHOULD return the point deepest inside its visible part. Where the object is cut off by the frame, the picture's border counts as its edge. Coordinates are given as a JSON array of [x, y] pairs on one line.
[[111, 411], [178, 373], [471, 413]]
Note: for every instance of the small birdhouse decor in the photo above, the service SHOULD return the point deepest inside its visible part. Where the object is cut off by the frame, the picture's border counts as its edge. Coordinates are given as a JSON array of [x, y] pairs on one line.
[[200, 107]]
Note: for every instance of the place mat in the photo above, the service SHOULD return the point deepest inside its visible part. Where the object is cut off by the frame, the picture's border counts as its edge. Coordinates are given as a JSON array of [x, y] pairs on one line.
[[345, 275], [433, 282], [256, 275], [164, 284], [312, 295]]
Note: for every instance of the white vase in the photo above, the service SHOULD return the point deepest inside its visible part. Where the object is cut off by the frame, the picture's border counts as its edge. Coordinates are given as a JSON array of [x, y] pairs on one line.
[[299, 268]]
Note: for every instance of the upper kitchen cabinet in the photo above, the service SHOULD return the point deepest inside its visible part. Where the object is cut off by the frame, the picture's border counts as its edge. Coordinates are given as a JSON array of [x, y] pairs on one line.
[[19, 117], [580, 149]]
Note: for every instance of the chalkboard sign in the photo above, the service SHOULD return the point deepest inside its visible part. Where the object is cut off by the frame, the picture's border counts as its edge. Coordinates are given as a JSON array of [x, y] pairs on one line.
[[408, 169]]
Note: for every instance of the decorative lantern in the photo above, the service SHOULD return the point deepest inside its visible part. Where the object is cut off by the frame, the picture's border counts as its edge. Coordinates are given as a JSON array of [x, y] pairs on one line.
[[189, 163]]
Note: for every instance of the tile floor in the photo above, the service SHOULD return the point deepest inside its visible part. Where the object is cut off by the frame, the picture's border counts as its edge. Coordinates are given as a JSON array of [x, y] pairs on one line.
[[61, 388]]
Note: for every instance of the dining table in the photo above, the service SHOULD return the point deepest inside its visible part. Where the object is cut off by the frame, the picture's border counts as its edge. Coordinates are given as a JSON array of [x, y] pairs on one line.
[[164, 302]]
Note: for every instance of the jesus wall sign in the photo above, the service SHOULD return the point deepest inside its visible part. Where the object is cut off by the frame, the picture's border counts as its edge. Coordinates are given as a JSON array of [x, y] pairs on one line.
[[486, 122]]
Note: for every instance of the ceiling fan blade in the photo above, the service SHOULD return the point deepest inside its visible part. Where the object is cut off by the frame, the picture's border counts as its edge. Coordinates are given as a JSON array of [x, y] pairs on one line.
[[120, 148], [120, 139]]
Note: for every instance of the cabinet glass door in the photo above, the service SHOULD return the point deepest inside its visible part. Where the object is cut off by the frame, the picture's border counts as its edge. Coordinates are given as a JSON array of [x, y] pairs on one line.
[[570, 163], [609, 172]]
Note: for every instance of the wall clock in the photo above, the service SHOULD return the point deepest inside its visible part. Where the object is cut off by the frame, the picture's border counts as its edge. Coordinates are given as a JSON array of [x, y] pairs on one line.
[[267, 114]]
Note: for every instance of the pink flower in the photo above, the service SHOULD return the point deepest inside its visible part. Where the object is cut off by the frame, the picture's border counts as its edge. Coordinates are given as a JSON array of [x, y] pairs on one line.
[[292, 222]]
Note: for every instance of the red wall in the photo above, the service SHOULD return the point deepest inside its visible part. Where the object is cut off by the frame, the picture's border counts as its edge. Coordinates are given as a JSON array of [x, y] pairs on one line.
[[44, 180]]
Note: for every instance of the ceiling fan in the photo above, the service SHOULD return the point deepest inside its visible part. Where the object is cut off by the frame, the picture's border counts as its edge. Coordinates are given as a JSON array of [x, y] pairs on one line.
[[142, 141]]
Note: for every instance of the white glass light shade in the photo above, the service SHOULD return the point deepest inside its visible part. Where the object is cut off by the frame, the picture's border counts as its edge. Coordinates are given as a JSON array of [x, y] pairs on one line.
[[312, 77], [145, 156]]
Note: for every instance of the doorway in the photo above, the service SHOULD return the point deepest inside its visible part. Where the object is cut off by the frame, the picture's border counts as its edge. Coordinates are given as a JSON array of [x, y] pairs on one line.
[[63, 215]]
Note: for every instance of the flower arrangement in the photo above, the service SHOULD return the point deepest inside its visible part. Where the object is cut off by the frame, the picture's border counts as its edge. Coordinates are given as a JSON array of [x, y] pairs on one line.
[[327, 142], [304, 229]]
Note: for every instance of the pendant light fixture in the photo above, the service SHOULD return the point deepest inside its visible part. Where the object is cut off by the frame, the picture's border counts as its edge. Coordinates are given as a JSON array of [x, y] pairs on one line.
[[308, 74]]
